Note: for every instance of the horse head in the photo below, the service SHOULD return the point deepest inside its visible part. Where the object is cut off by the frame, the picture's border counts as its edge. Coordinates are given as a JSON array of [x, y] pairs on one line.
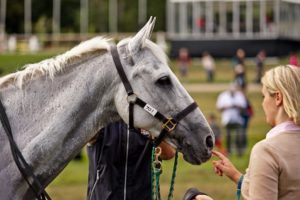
[[147, 70]]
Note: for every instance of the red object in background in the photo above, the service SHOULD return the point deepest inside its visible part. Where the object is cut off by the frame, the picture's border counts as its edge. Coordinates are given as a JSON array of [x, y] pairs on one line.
[[200, 22]]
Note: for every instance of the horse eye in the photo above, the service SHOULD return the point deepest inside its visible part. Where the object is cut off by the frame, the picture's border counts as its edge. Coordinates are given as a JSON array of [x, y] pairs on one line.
[[164, 81]]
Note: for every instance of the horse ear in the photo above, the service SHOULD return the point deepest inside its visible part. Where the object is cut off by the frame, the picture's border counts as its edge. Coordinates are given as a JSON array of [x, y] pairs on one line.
[[138, 41]]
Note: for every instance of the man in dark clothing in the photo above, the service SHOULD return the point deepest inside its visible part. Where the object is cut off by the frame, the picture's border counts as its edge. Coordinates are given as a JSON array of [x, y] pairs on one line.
[[119, 165]]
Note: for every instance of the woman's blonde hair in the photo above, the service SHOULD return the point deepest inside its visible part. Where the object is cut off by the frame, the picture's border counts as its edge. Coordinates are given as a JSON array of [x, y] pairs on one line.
[[285, 79]]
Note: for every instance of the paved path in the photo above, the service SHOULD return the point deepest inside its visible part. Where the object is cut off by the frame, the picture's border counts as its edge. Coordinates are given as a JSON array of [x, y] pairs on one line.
[[216, 87]]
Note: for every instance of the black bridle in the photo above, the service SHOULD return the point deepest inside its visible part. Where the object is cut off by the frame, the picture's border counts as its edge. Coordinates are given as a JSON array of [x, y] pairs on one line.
[[169, 124], [25, 169]]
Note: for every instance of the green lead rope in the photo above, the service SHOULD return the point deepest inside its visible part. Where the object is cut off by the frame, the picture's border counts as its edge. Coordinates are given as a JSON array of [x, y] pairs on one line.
[[155, 175], [152, 174], [172, 183]]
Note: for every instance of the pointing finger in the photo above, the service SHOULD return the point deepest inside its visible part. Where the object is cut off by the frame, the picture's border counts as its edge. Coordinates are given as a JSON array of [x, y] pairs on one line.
[[219, 155]]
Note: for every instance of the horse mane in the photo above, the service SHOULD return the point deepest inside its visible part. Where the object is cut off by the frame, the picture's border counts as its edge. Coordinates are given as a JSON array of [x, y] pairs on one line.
[[56, 64]]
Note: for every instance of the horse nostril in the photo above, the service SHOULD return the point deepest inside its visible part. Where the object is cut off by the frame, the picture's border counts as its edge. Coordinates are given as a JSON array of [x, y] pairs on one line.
[[209, 142]]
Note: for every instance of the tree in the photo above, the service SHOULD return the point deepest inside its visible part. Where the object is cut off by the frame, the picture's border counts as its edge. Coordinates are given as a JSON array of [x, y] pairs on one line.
[[15, 16], [70, 12]]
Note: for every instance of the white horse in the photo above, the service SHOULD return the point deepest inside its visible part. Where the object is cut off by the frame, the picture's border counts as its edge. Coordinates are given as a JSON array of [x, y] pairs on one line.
[[57, 105]]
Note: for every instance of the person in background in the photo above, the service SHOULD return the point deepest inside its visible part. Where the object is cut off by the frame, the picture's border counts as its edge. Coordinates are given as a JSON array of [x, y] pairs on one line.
[[208, 64], [240, 67], [230, 103], [293, 60], [246, 114], [212, 121], [184, 61], [259, 61], [273, 170], [120, 163]]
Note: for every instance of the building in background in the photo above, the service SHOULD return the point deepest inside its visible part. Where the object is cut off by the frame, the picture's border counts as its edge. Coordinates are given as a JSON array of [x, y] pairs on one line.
[[216, 25], [64, 23]]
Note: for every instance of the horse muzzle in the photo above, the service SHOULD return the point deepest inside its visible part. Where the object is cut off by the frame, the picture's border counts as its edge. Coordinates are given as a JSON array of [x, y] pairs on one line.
[[197, 153]]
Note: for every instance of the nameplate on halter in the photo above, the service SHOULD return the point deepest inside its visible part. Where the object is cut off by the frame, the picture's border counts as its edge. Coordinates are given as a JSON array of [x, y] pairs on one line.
[[150, 109]]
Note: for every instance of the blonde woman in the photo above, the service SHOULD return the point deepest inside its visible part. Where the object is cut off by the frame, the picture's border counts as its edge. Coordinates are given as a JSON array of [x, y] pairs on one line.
[[274, 167]]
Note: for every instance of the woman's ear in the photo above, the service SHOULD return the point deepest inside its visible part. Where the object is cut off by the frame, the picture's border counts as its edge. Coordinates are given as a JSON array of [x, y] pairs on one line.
[[278, 98]]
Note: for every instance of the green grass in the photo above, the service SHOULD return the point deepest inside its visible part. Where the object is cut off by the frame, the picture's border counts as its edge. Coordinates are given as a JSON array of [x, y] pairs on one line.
[[11, 62], [72, 182], [224, 71]]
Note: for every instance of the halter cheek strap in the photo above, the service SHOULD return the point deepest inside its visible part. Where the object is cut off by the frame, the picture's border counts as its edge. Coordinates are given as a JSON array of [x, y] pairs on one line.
[[168, 124]]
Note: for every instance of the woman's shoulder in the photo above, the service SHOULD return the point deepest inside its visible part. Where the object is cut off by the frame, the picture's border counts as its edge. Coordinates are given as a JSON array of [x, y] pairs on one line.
[[283, 143], [260, 146], [284, 139]]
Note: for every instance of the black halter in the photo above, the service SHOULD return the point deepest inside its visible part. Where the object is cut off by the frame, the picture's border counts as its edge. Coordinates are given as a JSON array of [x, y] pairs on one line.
[[169, 124], [23, 166]]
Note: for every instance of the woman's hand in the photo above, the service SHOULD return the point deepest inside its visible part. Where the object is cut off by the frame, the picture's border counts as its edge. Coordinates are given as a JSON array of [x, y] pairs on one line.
[[224, 166]]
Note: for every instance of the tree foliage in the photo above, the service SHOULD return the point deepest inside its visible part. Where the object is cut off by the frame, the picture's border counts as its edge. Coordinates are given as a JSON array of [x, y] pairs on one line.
[[42, 11]]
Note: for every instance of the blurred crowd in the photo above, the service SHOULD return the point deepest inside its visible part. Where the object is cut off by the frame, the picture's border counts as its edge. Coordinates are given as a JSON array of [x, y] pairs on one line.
[[233, 104]]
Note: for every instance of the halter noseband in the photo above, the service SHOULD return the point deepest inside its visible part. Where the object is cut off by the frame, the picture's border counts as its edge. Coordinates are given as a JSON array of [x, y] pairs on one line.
[[169, 124]]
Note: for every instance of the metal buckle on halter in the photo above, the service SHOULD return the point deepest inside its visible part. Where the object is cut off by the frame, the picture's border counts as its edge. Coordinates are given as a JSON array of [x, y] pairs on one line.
[[157, 164], [131, 98], [169, 125]]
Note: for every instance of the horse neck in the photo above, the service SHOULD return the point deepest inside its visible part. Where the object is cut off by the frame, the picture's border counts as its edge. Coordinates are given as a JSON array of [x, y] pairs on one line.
[[53, 119]]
